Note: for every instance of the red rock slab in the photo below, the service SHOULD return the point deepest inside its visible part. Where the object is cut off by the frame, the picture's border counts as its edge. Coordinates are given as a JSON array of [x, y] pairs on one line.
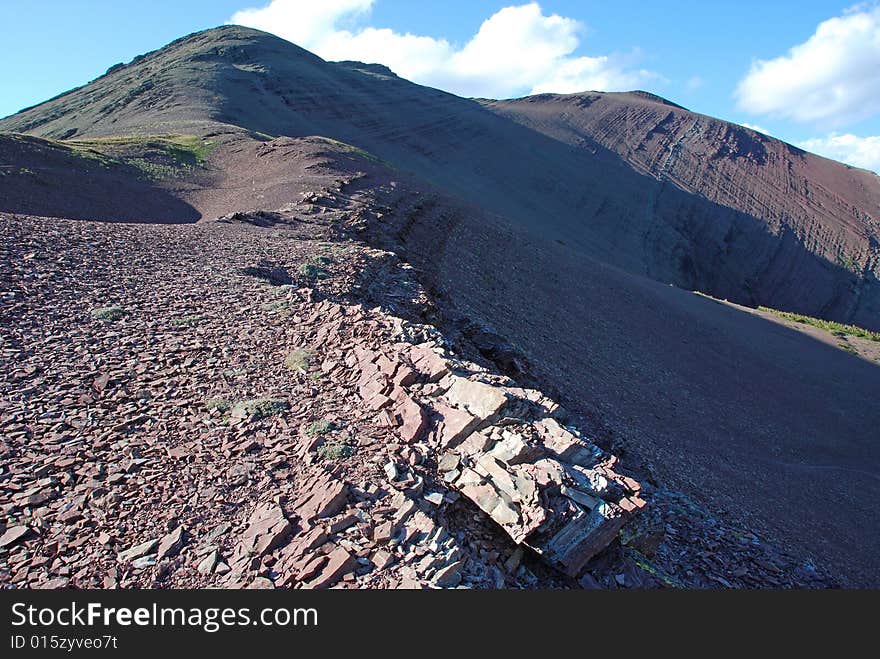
[[583, 537], [412, 420], [322, 496], [13, 535], [339, 563], [171, 544], [481, 399], [428, 363], [268, 529], [455, 425], [304, 544]]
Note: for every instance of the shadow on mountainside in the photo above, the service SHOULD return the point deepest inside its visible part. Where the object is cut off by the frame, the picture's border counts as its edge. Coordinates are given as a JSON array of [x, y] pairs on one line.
[[38, 177], [585, 196], [759, 420], [563, 187]]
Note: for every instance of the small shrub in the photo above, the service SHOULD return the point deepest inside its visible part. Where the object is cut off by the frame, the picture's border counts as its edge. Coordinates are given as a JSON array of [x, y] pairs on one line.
[[848, 262], [321, 427], [317, 375], [258, 408], [280, 305], [299, 360], [109, 314], [219, 404], [186, 321], [335, 451], [313, 271]]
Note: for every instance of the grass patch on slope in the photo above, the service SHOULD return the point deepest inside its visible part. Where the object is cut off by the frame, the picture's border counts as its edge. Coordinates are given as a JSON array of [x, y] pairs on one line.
[[156, 156], [258, 408], [827, 325], [109, 314], [349, 148], [299, 360]]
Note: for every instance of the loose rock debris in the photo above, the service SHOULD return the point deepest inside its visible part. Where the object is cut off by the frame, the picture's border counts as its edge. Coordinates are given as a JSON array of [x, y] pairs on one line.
[[145, 451], [499, 446]]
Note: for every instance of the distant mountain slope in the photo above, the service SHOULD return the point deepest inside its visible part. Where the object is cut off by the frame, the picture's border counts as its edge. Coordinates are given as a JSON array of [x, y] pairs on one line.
[[547, 220], [805, 202], [629, 179]]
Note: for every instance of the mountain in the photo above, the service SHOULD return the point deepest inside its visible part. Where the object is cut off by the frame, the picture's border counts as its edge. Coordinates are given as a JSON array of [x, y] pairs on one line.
[[630, 179], [562, 235]]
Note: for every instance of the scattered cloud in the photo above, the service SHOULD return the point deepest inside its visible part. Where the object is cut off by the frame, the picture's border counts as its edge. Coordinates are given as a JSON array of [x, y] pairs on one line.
[[604, 73], [851, 149], [831, 79], [694, 83], [755, 127], [517, 50]]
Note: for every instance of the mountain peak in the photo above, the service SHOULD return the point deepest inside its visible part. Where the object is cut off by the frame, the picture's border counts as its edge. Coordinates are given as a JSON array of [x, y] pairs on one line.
[[654, 98], [194, 80], [374, 67]]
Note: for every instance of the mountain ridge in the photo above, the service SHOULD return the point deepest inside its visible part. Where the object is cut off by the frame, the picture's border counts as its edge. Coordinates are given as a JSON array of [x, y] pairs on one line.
[[596, 170]]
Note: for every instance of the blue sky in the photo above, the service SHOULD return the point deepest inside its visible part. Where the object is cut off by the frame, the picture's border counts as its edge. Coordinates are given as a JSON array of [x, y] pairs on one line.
[[732, 60]]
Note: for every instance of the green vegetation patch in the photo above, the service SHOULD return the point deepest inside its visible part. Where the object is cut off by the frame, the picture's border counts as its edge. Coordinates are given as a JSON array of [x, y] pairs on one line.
[[109, 314], [348, 148], [335, 451], [186, 321], [280, 305], [644, 564], [848, 262], [218, 404], [321, 427], [258, 408], [299, 360], [313, 271], [155, 156], [827, 325]]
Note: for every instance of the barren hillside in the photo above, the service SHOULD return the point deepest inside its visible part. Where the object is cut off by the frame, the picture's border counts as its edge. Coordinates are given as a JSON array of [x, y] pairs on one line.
[[629, 179], [546, 247]]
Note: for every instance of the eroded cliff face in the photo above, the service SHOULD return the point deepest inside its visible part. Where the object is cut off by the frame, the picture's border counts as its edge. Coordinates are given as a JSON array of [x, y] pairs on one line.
[[731, 211]]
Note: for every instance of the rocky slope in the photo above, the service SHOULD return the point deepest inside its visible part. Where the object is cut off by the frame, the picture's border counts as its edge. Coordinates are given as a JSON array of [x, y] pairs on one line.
[[732, 211], [52, 179], [253, 403], [526, 236]]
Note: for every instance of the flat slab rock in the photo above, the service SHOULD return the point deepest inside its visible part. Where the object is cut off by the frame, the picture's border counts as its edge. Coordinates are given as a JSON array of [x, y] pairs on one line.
[[500, 446], [567, 505]]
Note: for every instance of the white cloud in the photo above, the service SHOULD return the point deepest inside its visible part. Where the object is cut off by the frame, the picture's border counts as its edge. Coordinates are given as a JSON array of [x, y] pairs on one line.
[[832, 78], [603, 73], [517, 50], [755, 127], [694, 83], [851, 149], [301, 22]]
